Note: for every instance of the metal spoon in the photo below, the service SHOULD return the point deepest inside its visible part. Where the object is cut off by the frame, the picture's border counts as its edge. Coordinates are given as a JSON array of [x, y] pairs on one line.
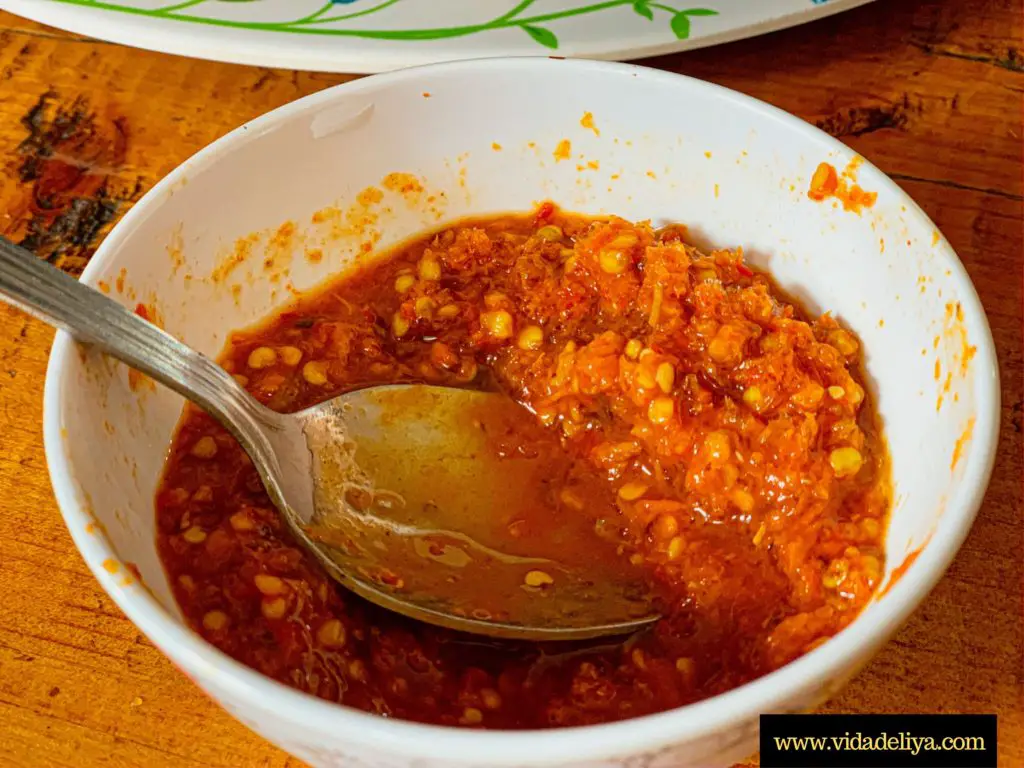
[[411, 496]]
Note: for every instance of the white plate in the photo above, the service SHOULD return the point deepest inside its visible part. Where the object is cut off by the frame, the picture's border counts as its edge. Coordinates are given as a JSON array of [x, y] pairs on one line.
[[379, 35]]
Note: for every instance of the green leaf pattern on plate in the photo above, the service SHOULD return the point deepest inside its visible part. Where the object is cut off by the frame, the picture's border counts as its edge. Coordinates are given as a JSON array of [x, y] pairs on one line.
[[331, 17]]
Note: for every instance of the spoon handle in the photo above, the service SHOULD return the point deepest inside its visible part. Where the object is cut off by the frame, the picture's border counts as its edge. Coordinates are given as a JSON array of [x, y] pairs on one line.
[[59, 300]]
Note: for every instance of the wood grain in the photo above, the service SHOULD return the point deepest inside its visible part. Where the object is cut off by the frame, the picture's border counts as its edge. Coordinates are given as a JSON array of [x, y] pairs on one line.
[[929, 91]]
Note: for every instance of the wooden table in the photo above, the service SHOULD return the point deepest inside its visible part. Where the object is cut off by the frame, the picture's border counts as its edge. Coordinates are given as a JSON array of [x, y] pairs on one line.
[[929, 91]]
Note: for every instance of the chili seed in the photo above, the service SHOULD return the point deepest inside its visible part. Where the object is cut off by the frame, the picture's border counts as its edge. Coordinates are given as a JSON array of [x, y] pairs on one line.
[[633, 348], [491, 698], [399, 325], [809, 396], [665, 526], [550, 233], [836, 392], [241, 522], [666, 377], [194, 535], [448, 311], [498, 324], [870, 527], [357, 671], [613, 262], [759, 536], [203, 493], [835, 574], [645, 377], [657, 296], [660, 410], [624, 240], [723, 350], [269, 585], [743, 500], [275, 608], [844, 342], [215, 620], [315, 373], [719, 445], [872, 567], [632, 491], [706, 275], [424, 306], [204, 448], [675, 548], [687, 667], [495, 300], [331, 634], [262, 357], [471, 716], [404, 283], [538, 579], [531, 338], [429, 269], [752, 396], [845, 461], [290, 356]]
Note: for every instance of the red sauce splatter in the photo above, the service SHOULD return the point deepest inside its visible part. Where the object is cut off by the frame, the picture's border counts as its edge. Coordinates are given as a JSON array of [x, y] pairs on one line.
[[961, 443], [827, 183], [900, 571]]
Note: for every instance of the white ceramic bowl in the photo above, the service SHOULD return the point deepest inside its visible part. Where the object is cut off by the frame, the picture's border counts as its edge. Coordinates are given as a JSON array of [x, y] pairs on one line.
[[481, 136]]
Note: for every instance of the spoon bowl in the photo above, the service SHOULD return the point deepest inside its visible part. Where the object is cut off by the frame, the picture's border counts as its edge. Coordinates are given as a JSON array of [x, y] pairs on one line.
[[414, 499]]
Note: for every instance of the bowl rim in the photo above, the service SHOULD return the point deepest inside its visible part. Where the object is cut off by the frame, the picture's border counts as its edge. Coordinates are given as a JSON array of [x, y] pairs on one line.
[[194, 655]]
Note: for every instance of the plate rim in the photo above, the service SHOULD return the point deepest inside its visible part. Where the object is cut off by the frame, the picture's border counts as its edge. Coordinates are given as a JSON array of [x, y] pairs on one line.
[[209, 43]]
